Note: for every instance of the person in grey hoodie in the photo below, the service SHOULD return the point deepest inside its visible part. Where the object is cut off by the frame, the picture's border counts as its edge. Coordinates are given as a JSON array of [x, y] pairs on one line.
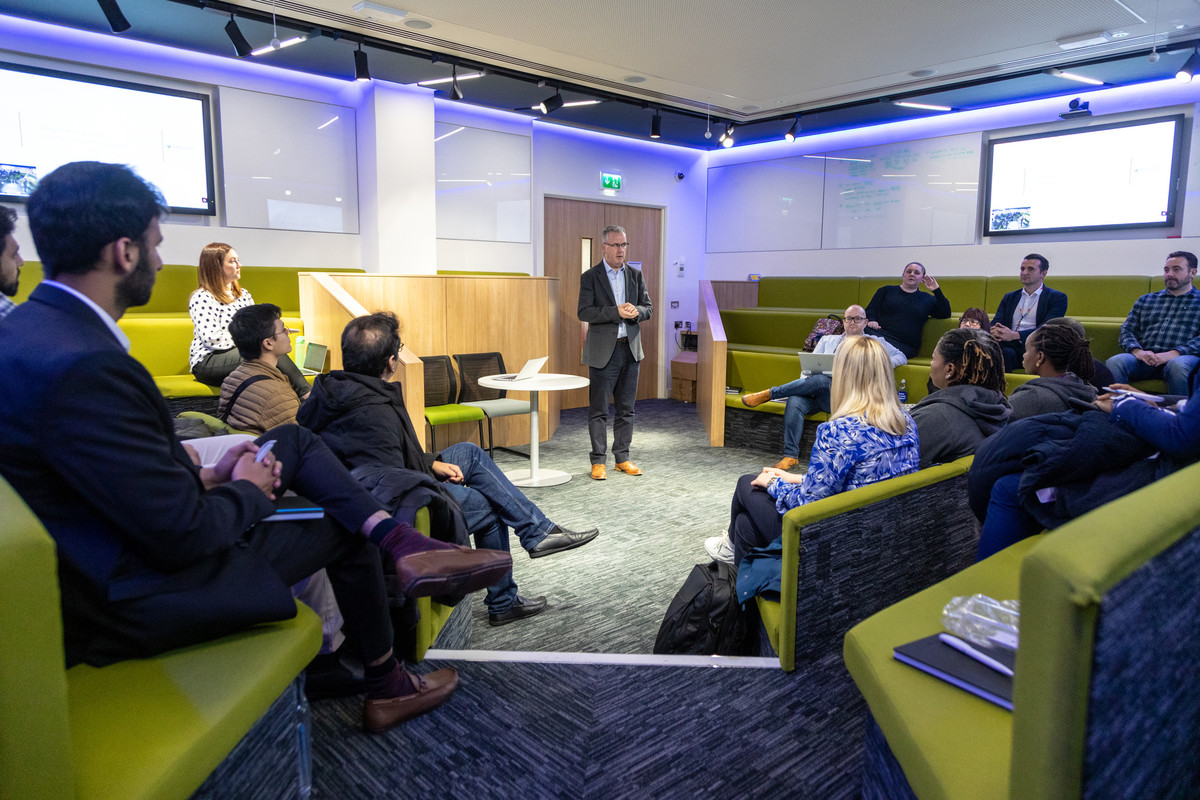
[[1062, 360], [968, 370]]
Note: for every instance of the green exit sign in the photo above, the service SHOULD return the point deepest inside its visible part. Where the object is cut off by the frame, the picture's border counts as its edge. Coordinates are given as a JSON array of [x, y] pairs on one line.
[[610, 180]]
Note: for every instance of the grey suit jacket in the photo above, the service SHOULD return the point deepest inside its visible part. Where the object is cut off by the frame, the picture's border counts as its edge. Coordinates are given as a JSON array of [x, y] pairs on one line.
[[598, 308]]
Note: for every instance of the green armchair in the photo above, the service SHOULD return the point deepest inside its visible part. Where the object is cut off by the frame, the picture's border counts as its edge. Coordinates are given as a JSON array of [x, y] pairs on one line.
[[855, 553], [145, 728]]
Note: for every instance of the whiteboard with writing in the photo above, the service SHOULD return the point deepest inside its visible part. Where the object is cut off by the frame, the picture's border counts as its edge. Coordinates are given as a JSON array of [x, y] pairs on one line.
[[904, 194]]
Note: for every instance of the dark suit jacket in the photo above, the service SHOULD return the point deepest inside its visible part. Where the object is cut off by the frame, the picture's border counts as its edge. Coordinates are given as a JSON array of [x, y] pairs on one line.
[[598, 308], [1051, 305], [147, 557]]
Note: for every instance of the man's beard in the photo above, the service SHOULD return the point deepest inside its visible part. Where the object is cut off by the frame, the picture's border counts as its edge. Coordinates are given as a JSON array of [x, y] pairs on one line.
[[9, 289], [135, 289]]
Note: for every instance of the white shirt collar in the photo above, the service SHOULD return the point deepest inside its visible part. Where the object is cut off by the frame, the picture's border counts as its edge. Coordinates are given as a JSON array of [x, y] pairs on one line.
[[100, 312], [611, 268]]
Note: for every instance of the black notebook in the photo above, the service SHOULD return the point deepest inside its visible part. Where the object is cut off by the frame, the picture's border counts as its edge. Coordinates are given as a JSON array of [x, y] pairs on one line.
[[940, 660]]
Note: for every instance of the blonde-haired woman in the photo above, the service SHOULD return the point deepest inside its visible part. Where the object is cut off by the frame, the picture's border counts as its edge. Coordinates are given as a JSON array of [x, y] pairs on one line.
[[868, 438], [218, 297]]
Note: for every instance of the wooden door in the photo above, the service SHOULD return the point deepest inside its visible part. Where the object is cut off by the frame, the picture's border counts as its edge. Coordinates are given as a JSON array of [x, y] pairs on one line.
[[572, 245]]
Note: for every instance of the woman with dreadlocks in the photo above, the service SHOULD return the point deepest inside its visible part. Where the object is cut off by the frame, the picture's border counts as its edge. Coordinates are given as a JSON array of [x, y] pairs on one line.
[[968, 370], [1062, 361]]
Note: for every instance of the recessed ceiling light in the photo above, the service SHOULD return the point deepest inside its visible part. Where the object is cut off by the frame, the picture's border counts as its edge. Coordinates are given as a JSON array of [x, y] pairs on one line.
[[378, 12], [634, 79], [750, 109], [1118, 34], [923, 73], [418, 24]]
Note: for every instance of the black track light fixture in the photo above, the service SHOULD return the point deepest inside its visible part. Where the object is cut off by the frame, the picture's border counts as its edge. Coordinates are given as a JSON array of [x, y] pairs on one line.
[[790, 136], [726, 139], [656, 125], [362, 72], [551, 104], [116, 20], [456, 93], [240, 45], [1185, 73]]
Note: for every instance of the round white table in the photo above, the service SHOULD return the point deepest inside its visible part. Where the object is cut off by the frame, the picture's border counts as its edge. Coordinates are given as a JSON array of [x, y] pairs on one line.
[[542, 382]]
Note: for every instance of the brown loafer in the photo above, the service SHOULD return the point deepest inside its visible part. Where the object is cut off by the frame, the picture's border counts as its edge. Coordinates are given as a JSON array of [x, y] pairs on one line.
[[629, 468], [756, 398], [451, 572], [432, 691], [599, 473], [787, 462]]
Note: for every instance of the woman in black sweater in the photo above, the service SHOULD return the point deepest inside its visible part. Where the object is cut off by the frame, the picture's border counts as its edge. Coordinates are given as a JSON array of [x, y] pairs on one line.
[[899, 312]]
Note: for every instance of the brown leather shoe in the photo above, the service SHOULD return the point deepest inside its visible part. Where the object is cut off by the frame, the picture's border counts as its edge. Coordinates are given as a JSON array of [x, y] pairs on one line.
[[756, 398], [787, 462], [628, 467], [599, 473], [451, 572], [432, 691]]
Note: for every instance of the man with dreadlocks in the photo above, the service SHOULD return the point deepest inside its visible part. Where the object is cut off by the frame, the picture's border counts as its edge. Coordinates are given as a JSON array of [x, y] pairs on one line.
[[968, 370]]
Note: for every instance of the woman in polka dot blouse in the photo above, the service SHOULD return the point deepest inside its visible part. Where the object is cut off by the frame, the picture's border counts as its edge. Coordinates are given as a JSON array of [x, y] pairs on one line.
[[212, 306]]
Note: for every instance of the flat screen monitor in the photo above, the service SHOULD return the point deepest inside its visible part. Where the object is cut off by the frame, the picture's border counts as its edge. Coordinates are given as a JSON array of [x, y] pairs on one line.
[[50, 118], [1103, 177]]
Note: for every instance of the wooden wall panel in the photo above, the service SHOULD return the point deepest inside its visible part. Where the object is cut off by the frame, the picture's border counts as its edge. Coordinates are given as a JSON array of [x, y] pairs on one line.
[[735, 294], [710, 366]]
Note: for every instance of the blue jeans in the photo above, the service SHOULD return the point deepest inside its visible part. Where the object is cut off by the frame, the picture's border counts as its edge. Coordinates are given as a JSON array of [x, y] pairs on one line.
[[1126, 368], [804, 395], [492, 505], [1006, 522]]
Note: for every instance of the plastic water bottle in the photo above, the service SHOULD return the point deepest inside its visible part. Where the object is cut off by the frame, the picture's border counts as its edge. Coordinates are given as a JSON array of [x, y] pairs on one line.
[[983, 620], [301, 349], [903, 393]]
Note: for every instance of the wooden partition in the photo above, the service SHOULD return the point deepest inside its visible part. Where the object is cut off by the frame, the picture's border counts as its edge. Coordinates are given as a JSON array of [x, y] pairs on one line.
[[735, 294], [710, 366], [445, 315]]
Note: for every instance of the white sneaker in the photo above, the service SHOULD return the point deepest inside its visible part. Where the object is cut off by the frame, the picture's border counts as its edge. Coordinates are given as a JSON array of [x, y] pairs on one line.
[[720, 548]]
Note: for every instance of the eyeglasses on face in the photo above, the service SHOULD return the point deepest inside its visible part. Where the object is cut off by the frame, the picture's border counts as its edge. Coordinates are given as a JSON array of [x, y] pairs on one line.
[[855, 319], [616, 244]]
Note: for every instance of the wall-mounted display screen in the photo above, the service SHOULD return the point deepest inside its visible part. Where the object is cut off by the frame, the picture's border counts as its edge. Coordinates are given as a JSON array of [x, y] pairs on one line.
[[1122, 175], [50, 118]]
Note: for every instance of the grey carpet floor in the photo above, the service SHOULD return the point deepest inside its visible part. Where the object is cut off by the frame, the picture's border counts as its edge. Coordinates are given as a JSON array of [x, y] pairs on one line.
[[610, 595], [602, 731]]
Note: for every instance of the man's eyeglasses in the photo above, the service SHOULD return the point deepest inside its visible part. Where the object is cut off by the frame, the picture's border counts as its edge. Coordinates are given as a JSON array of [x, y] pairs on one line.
[[854, 319], [616, 244], [284, 332]]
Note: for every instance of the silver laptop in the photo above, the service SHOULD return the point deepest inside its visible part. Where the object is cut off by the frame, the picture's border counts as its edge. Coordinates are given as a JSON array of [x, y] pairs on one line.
[[528, 371], [314, 359], [816, 363]]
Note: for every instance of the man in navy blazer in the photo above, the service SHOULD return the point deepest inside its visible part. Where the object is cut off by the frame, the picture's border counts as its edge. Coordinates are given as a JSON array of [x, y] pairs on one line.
[[613, 302], [156, 552], [1022, 312]]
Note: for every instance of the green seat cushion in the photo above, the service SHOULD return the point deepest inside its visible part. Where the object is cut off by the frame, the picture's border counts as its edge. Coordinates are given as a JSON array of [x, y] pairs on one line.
[[156, 727], [184, 386], [444, 415], [950, 743]]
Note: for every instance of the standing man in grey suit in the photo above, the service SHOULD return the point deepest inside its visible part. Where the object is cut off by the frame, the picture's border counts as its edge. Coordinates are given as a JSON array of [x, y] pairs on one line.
[[613, 302]]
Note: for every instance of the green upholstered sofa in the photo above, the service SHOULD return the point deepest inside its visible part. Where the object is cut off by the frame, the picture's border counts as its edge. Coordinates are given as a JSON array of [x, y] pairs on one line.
[[1105, 692], [847, 556], [763, 340], [160, 332], [145, 728]]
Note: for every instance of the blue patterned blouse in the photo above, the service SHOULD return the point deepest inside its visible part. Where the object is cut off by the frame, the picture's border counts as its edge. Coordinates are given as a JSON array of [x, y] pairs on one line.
[[849, 453]]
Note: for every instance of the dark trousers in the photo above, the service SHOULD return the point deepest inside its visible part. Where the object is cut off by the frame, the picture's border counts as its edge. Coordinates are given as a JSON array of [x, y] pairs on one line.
[[296, 550], [753, 519], [617, 379], [214, 368]]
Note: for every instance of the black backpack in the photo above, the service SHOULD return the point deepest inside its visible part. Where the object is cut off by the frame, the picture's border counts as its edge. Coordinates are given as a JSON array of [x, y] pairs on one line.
[[705, 617]]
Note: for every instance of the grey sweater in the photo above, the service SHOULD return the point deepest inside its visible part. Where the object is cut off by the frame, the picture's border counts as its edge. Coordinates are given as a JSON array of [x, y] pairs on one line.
[[1049, 395], [953, 421]]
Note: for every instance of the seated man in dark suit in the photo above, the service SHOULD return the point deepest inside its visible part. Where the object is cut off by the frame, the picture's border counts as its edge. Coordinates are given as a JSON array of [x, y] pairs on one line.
[[154, 552], [1022, 312], [360, 414]]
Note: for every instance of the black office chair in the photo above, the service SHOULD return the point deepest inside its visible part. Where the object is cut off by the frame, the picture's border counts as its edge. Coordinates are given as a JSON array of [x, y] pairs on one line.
[[494, 402], [441, 394]]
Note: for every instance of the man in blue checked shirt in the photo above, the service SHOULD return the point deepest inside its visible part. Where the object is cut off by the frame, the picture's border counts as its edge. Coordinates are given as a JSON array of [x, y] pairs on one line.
[[1161, 335]]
